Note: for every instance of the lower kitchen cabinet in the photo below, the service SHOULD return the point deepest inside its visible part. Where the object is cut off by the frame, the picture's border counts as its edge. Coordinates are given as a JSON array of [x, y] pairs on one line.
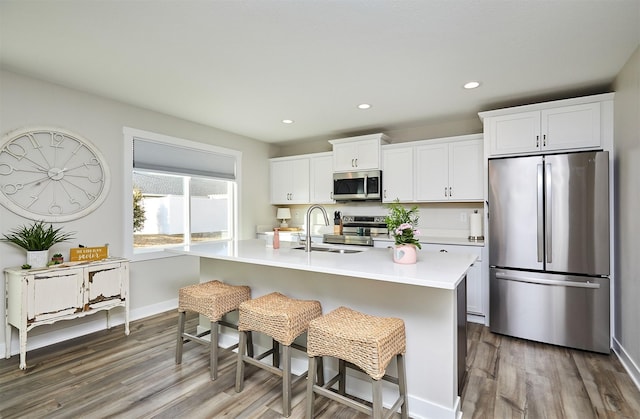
[[35, 297], [475, 301]]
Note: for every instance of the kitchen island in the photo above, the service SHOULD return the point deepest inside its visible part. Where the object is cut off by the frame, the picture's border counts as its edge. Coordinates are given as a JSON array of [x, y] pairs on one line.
[[426, 295]]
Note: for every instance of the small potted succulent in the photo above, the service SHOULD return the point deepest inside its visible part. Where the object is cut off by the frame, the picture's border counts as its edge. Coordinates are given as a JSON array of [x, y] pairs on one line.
[[57, 258], [36, 239]]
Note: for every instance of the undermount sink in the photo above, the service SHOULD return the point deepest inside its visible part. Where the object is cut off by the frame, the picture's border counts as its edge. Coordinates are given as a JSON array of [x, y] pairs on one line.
[[329, 249]]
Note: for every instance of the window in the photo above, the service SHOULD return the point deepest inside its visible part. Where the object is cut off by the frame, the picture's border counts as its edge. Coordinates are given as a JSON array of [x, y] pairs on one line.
[[181, 192]]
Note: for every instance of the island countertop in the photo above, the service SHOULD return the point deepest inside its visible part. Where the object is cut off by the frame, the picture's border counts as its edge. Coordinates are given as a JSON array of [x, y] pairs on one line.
[[433, 269]]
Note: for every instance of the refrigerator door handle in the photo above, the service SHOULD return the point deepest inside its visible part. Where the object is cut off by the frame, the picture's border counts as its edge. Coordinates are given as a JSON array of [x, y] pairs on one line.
[[540, 213], [530, 280], [547, 213]]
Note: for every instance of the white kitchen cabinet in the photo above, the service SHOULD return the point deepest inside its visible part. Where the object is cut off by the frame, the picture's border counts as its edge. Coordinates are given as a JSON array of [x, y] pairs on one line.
[[397, 174], [475, 300], [570, 124], [357, 153], [35, 297], [321, 179], [289, 180], [449, 171]]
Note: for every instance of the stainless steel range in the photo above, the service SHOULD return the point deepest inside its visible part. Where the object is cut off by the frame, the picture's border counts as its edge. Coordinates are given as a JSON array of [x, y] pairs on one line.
[[359, 230]]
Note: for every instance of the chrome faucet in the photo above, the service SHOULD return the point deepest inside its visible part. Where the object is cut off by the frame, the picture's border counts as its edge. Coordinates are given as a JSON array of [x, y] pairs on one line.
[[307, 243]]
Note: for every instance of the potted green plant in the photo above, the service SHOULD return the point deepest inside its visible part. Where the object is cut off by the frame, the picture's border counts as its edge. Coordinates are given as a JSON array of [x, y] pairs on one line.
[[36, 239], [57, 258], [401, 223]]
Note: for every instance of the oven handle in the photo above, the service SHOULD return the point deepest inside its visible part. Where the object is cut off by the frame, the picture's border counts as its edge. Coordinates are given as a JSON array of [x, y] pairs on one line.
[[541, 281]]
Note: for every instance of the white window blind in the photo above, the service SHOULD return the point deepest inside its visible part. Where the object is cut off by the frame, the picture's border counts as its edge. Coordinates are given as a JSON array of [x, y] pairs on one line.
[[177, 159]]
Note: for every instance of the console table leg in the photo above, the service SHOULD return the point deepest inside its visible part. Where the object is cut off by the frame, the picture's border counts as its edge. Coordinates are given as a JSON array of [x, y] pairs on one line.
[[7, 341], [23, 349]]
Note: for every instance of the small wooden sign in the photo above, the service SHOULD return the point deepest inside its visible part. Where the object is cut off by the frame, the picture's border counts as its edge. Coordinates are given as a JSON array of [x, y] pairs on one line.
[[88, 254]]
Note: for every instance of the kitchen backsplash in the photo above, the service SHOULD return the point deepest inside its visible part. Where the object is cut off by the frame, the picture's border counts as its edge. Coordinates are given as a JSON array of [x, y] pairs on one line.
[[436, 219]]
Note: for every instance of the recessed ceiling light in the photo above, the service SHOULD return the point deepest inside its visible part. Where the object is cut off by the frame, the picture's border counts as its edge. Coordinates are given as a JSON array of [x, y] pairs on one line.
[[287, 121], [364, 106], [471, 85]]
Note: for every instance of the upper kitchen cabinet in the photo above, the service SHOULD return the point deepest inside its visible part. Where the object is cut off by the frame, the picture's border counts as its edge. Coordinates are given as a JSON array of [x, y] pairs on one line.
[[357, 153], [450, 169], [398, 176], [289, 180], [569, 124], [321, 181]]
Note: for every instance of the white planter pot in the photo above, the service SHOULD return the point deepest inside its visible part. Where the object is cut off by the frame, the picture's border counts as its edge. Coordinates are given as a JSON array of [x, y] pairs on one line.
[[37, 258]]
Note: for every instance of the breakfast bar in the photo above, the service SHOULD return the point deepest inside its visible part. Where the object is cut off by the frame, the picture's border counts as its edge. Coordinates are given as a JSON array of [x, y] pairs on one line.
[[428, 296]]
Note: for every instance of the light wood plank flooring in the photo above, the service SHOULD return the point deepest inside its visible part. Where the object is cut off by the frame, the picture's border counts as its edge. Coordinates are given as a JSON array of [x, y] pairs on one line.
[[106, 374]]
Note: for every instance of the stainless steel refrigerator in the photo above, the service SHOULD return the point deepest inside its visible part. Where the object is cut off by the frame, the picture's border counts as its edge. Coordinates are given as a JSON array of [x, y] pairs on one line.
[[549, 248]]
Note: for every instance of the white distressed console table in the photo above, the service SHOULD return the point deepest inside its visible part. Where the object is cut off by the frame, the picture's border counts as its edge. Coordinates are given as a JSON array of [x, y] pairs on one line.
[[44, 296]]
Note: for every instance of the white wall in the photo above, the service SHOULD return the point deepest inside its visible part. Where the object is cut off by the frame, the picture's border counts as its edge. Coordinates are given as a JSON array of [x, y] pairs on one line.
[[627, 208], [25, 102]]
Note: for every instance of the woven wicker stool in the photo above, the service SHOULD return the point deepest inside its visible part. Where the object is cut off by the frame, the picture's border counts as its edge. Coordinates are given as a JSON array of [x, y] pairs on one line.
[[363, 342], [283, 319], [212, 299]]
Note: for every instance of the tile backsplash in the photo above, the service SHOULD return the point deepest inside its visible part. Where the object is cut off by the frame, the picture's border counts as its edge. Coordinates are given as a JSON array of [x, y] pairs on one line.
[[436, 219]]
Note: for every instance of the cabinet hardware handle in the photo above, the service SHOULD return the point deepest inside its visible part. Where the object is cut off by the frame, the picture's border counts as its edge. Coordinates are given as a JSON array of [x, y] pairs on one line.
[[445, 191], [537, 141], [356, 162], [444, 251], [385, 194], [450, 192], [544, 140], [353, 162]]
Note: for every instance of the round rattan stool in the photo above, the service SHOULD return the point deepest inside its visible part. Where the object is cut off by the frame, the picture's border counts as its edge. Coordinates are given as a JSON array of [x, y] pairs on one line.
[[283, 319], [362, 342], [212, 299]]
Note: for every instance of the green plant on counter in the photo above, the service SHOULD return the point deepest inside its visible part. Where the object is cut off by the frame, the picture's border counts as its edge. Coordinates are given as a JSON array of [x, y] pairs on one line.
[[26, 266], [36, 237], [402, 223]]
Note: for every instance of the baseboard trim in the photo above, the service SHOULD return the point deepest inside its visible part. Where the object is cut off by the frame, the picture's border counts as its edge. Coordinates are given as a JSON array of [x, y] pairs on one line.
[[627, 362]]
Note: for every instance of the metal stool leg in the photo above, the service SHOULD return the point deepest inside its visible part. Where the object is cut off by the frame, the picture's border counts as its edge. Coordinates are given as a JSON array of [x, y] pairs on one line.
[[342, 370], [179, 343]]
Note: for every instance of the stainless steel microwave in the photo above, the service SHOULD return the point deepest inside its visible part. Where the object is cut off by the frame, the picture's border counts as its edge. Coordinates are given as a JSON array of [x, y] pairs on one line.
[[358, 186]]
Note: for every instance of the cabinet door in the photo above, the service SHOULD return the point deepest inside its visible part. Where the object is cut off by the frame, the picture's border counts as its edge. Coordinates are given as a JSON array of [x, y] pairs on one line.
[[356, 155], [54, 294], [290, 181], [466, 170], [571, 127], [474, 275], [103, 284], [321, 181], [397, 175], [474, 289], [280, 182], [368, 154], [432, 172], [512, 134], [344, 156]]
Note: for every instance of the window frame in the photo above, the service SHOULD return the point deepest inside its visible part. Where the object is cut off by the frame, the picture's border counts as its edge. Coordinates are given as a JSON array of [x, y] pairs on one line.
[[129, 134]]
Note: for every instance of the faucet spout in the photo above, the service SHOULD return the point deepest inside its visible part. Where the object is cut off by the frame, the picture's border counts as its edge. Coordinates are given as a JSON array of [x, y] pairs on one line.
[[307, 244]]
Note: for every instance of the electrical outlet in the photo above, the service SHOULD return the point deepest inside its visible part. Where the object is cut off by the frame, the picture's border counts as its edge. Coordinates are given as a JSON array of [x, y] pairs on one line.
[[463, 217]]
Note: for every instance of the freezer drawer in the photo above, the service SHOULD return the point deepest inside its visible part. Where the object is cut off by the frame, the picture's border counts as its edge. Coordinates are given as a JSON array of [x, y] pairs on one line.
[[562, 310]]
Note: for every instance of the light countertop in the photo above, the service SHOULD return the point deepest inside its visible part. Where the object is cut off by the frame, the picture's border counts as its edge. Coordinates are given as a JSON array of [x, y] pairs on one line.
[[433, 269]]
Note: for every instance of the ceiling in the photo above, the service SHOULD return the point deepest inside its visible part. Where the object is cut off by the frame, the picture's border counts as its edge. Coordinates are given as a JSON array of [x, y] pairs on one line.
[[244, 66]]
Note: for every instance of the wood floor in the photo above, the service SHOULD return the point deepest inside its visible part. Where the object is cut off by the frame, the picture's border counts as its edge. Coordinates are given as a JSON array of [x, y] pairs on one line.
[[109, 375]]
